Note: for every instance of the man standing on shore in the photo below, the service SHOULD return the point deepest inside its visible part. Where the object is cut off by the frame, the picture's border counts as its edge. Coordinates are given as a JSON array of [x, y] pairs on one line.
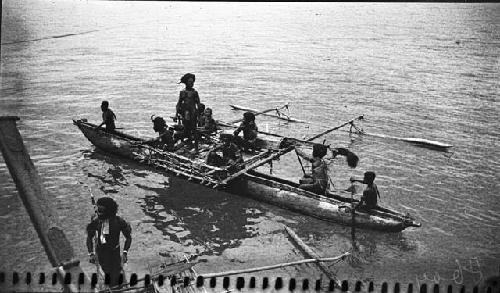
[[106, 227]]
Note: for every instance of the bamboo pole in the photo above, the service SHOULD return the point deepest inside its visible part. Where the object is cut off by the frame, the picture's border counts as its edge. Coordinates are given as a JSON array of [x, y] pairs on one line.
[[256, 112], [276, 266], [37, 202], [310, 253], [335, 128]]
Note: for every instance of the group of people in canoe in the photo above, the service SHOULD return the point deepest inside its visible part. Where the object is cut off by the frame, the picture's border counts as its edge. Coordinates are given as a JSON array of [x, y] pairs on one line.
[[195, 122]]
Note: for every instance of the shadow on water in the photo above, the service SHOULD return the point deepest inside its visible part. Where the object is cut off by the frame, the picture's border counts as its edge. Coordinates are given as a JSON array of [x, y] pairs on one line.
[[185, 212], [196, 215], [114, 174]]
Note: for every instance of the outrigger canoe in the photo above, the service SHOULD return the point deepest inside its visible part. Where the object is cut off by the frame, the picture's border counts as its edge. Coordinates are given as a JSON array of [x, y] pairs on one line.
[[332, 207]]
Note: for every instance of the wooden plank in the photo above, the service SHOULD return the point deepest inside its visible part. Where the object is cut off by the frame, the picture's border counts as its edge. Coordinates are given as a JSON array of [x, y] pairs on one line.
[[254, 165], [37, 202], [308, 252]]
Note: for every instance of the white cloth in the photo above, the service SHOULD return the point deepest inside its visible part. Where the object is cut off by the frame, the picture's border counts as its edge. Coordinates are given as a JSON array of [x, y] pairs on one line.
[[104, 231]]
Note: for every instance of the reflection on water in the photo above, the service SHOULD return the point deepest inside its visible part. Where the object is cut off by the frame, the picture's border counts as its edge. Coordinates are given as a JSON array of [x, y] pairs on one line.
[[406, 73], [195, 215], [189, 214]]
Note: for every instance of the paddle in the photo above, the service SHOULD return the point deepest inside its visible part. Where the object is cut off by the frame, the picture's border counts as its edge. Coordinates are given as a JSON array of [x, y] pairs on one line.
[[300, 161], [353, 258]]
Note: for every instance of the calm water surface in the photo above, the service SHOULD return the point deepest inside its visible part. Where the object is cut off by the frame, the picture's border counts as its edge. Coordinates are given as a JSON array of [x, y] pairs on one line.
[[414, 70]]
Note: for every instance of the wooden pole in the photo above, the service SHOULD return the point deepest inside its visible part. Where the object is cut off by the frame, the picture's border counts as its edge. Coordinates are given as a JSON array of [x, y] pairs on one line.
[[37, 201], [276, 266], [256, 112], [311, 254], [300, 161], [335, 128]]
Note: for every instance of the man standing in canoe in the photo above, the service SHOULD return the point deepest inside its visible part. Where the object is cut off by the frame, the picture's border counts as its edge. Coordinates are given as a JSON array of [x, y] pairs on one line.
[[108, 117], [188, 106], [107, 227]]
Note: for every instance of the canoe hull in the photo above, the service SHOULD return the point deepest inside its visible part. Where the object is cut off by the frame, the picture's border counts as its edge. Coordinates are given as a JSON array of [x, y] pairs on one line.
[[267, 188], [303, 202]]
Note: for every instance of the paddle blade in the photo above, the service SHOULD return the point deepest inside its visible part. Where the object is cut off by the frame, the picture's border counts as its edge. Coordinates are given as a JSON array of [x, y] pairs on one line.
[[351, 158]]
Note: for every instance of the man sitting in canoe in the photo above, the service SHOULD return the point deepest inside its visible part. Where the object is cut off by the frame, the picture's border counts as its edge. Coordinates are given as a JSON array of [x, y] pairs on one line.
[[317, 181], [108, 117], [370, 194], [231, 154], [165, 139], [250, 132]]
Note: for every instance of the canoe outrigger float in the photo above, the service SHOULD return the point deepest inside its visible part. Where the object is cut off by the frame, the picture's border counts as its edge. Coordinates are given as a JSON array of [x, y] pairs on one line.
[[333, 206], [277, 113]]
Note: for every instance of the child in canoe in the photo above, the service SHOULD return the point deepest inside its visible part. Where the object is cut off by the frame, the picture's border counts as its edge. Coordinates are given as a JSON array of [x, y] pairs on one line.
[[206, 123]]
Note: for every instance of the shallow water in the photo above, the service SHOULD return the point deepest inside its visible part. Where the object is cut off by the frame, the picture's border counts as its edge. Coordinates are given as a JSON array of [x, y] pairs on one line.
[[414, 70]]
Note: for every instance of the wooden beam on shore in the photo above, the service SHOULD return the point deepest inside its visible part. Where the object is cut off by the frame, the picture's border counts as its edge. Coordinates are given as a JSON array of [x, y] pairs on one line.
[[308, 252], [37, 203], [276, 266]]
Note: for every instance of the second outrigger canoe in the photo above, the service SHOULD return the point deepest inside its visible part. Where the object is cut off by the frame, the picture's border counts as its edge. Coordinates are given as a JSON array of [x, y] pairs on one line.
[[333, 207]]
